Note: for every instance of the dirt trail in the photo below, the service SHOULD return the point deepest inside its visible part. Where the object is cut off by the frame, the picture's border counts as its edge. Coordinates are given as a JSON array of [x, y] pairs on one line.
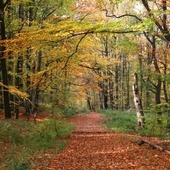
[[91, 147]]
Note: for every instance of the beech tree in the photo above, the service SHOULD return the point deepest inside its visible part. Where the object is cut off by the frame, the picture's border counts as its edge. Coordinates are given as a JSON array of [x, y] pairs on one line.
[[137, 101], [90, 49], [156, 32], [162, 22], [4, 72]]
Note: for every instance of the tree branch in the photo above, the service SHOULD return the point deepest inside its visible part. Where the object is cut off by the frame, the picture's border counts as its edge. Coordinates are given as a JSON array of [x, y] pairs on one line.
[[124, 15], [6, 3], [68, 58], [154, 146], [163, 28]]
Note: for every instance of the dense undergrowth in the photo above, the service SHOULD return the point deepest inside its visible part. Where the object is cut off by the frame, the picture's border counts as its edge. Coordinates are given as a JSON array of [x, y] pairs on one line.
[[126, 122], [23, 142]]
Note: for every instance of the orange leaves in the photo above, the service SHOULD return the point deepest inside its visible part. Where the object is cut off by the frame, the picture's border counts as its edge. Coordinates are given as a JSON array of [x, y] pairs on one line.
[[92, 147]]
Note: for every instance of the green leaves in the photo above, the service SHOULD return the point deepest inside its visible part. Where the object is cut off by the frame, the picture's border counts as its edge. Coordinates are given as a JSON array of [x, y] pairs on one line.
[[145, 25], [14, 91], [120, 121], [23, 141], [51, 129]]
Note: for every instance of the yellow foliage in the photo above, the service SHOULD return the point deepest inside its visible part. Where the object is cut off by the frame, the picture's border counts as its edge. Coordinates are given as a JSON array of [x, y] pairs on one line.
[[14, 91]]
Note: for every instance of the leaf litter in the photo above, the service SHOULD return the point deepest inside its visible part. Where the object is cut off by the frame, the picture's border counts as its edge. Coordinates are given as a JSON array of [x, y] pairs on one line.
[[92, 147]]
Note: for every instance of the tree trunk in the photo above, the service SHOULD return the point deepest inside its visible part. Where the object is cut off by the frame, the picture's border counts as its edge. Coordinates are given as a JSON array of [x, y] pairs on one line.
[[117, 86], [160, 21], [89, 101], [158, 72], [37, 89], [18, 83], [111, 93], [127, 87], [3, 61], [105, 85], [137, 101], [165, 68]]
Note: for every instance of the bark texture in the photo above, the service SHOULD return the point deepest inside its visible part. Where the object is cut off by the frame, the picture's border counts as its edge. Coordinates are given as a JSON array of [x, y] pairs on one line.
[[137, 102], [3, 60]]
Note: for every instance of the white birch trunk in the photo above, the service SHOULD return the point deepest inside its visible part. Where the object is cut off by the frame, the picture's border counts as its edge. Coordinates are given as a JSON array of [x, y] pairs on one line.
[[137, 102]]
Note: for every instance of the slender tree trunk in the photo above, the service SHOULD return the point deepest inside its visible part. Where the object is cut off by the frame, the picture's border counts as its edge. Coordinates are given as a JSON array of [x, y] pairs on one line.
[[117, 86], [141, 78], [147, 83], [27, 103], [100, 96], [165, 66], [111, 93], [127, 87], [105, 85], [37, 89], [18, 83], [89, 101], [158, 72], [137, 102], [3, 62]]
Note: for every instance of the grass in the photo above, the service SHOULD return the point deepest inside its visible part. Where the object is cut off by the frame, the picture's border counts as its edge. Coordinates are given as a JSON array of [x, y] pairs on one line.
[[124, 122], [22, 141]]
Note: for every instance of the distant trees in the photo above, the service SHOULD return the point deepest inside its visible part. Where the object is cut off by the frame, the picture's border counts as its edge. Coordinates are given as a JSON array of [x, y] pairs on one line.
[[153, 45], [114, 93], [71, 53], [21, 62]]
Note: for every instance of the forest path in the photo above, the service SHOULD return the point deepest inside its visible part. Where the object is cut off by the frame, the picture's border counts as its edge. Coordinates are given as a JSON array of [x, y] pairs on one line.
[[91, 147]]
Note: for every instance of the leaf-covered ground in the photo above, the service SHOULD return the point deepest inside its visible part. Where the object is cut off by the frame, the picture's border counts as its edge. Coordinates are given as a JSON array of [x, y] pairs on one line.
[[91, 147]]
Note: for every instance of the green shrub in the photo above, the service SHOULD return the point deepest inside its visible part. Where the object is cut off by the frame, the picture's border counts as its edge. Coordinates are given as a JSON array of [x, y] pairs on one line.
[[156, 124], [22, 166], [152, 127], [16, 164], [49, 131], [69, 111], [25, 139], [14, 131], [124, 122]]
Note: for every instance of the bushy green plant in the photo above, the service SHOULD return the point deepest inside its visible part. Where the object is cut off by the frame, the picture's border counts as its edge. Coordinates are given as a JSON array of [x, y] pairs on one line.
[[25, 139], [12, 133], [68, 111], [22, 166], [156, 120], [48, 132], [152, 127], [84, 110], [15, 164], [120, 121], [13, 130]]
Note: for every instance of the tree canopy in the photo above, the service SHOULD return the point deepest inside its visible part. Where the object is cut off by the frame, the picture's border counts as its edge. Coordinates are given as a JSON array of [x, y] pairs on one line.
[[78, 53]]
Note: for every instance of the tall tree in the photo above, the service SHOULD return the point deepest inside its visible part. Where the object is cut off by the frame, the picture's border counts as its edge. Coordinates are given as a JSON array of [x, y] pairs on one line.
[[3, 6], [137, 101], [162, 22]]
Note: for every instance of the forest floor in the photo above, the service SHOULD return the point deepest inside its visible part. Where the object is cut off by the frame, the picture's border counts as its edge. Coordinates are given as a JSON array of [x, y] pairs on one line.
[[92, 147]]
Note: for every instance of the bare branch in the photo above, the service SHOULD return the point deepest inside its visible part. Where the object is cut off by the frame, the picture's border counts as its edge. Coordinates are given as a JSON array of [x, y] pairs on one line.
[[124, 15], [78, 44], [147, 37], [6, 3], [163, 28]]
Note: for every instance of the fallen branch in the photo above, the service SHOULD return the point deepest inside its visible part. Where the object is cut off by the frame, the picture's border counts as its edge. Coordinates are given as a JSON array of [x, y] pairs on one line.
[[154, 146]]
